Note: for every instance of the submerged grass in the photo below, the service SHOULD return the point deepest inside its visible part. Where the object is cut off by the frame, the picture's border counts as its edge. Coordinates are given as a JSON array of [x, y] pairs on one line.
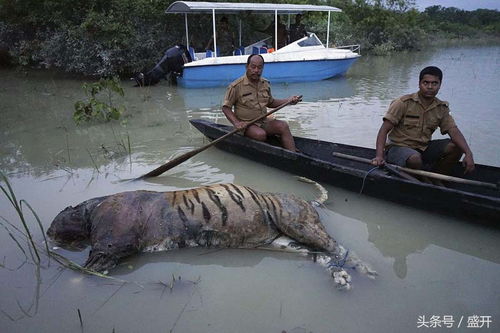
[[67, 144], [129, 151], [80, 317], [9, 193], [15, 241], [33, 247], [93, 161]]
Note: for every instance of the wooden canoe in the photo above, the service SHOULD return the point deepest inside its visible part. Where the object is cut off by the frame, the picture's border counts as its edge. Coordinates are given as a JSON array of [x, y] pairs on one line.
[[317, 160]]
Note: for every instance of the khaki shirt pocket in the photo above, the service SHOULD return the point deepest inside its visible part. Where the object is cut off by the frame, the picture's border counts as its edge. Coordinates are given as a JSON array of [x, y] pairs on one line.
[[431, 123], [247, 98], [264, 97], [411, 121]]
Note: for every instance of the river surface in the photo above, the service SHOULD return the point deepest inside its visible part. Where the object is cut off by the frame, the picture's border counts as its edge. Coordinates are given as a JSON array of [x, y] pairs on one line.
[[428, 264]]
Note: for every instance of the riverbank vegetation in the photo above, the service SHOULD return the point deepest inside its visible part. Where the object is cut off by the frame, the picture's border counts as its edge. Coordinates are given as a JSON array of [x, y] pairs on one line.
[[120, 37]]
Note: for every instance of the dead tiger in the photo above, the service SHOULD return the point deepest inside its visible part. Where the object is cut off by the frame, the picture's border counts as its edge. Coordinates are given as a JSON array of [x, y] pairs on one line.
[[223, 216]]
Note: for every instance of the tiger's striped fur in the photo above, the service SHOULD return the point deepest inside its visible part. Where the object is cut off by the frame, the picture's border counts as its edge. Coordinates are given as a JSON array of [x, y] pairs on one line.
[[223, 215]]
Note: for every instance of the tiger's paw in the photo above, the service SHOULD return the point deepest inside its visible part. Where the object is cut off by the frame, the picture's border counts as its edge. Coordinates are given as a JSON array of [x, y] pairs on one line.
[[342, 279]]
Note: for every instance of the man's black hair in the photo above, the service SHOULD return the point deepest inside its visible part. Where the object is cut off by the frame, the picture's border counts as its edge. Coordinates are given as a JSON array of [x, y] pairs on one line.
[[431, 70], [250, 58]]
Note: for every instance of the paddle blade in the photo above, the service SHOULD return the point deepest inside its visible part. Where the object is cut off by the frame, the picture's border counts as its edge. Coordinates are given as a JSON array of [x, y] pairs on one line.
[[170, 164]]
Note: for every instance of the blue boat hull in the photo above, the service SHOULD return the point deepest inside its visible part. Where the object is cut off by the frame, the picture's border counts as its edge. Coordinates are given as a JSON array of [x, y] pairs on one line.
[[289, 71]]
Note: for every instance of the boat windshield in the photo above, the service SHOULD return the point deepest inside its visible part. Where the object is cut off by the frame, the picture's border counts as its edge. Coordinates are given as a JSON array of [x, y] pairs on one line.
[[312, 40]]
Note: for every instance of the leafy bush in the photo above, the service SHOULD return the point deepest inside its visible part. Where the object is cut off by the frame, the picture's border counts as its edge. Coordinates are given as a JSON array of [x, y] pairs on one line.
[[383, 49], [95, 108]]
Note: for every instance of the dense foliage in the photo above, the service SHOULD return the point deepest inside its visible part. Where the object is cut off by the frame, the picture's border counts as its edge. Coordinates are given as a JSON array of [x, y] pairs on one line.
[[109, 37], [92, 37], [460, 23]]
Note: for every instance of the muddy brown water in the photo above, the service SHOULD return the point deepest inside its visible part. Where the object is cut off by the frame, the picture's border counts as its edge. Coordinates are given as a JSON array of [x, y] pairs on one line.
[[428, 264]]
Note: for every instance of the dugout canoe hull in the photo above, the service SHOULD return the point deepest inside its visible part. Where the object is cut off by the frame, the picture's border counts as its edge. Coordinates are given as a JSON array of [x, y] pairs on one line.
[[317, 162]]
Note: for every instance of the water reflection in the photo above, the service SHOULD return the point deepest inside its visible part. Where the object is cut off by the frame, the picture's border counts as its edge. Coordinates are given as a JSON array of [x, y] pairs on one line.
[[202, 99], [332, 89], [397, 232], [192, 173], [210, 99], [205, 257], [27, 309]]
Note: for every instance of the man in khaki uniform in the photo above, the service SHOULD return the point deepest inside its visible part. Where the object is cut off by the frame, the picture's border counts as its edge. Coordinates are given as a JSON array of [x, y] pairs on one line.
[[251, 96], [409, 124]]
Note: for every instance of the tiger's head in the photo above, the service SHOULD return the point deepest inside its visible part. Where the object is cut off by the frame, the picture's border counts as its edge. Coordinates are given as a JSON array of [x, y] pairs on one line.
[[70, 229]]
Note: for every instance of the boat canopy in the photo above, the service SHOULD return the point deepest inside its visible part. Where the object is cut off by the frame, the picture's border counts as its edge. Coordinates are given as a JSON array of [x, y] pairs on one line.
[[192, 7]]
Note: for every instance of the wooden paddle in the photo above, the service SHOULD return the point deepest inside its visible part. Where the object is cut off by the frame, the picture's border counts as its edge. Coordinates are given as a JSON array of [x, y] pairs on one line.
[[421, 172], [399, 173], [178, 160]]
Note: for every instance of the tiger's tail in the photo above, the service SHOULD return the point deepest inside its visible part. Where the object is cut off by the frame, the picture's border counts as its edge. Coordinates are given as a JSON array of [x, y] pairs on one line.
[[323, 192]]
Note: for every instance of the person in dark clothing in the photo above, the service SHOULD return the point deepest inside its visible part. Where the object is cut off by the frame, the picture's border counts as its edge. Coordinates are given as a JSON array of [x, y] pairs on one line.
[[297, 30], [225, 38], [282, 33]]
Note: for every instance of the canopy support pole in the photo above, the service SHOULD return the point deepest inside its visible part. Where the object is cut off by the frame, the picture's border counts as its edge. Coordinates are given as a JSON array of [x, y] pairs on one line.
[[215, 37], [240, 34], [276, 30], [328, 30], [187, 30]]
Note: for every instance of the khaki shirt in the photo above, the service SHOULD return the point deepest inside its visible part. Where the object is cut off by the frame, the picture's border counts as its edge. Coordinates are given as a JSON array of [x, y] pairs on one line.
[[414, 124], [250, 101]]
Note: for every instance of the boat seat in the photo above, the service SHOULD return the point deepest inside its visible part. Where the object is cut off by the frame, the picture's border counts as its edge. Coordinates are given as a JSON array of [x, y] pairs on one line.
[[263, 50], [210, 53], [192, 52], [239, 51]]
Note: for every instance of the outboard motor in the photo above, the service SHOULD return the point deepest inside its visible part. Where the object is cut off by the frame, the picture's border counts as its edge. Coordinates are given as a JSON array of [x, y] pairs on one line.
[[171, 63]]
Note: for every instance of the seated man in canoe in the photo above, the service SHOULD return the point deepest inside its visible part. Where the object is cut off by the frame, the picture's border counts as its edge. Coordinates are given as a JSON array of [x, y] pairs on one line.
[[409, 124], [251, 96]]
